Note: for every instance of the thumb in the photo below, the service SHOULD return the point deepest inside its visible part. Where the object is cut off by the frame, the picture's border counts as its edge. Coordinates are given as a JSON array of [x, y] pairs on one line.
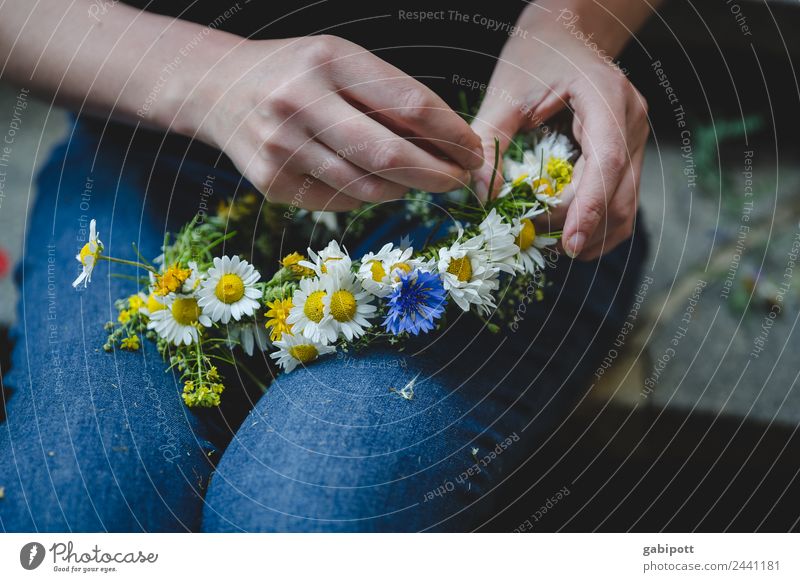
[[495, 120]]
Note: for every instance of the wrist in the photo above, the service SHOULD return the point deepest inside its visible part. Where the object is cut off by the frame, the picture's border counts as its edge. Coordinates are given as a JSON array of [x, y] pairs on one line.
[[591, 23], [190, 83]]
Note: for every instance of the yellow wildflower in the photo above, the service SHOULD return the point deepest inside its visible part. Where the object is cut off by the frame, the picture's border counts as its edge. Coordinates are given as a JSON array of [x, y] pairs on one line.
[[171, 280], [276, 322], [135, 302], [130, 343], [291, 262], [124, 316]]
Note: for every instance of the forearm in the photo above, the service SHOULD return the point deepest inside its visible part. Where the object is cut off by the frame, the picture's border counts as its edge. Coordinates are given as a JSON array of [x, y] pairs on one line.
[[610, 23], [118, 61]]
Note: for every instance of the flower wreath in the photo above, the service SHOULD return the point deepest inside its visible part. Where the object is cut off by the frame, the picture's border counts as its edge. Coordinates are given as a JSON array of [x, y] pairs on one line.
[[197, 306]]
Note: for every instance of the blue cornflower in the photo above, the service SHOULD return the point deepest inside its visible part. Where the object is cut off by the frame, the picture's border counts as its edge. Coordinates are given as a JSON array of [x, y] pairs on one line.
[[415, 303]]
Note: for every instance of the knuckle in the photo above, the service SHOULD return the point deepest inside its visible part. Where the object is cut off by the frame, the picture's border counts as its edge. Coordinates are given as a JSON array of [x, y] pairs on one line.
[[283, 101], [320, 50], [613, 159], [592, 210], [372, 190], [413, 104], [387, 155], [263, 177]]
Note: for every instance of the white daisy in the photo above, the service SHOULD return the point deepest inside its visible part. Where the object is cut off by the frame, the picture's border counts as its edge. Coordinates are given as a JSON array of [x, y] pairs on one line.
[[193, 282], [530, 244], [346, 304], [467, 274], [88, 256], [229, 290], [544, 192], [553, 146], [249, 335], [330, 256], [380, 272], [499, 243], [297, 349], [307, 316], [526, 170], [178, 321]]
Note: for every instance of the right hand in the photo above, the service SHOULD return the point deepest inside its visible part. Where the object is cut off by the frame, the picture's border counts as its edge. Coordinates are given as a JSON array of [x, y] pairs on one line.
[[324, 124]]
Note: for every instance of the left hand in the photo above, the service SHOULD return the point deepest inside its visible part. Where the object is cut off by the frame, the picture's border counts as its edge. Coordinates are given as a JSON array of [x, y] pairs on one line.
[[537, 77]]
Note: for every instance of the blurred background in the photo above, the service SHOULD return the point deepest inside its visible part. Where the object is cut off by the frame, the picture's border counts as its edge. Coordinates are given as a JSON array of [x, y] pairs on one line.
[[691, 421]]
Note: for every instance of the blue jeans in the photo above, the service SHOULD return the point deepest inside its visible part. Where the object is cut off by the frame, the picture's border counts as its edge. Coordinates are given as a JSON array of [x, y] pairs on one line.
[[95, 441]]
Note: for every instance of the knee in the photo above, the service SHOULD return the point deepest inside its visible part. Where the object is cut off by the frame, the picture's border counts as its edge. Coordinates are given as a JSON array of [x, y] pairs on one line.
[[336, 448], [101, 457]]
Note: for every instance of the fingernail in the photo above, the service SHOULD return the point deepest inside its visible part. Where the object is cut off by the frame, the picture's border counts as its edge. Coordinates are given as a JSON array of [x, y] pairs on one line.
[[575, 244], [481, 189]]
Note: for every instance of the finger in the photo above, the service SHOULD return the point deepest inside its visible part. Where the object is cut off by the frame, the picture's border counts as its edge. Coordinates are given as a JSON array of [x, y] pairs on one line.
[[372, 147], [495, 120], [410, 105], [301, 191], [603, 145], [621, 213], [329, 168]]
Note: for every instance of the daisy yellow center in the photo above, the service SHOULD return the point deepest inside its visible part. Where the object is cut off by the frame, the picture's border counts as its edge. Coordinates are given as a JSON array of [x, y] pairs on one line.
[[154, 304], [343, 305], [377, 270], [324, 268], [519, 179], [304, 353], [461, 268], [90, 249], [561, 172], [543, 185], [313, 307], [185, 310], [405, 267], [230, 288], [526, 236]]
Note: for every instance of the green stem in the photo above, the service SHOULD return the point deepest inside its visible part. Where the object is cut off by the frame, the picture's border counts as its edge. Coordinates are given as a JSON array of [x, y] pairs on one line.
[[126, 262], [494, 167]]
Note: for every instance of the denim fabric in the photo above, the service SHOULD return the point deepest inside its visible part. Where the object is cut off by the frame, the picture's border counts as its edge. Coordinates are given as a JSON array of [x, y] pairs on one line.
[[96, 441], [334, 447]]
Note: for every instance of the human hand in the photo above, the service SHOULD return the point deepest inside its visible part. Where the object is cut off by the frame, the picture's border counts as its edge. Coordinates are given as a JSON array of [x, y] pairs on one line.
[[321, 123], [540, 75]]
